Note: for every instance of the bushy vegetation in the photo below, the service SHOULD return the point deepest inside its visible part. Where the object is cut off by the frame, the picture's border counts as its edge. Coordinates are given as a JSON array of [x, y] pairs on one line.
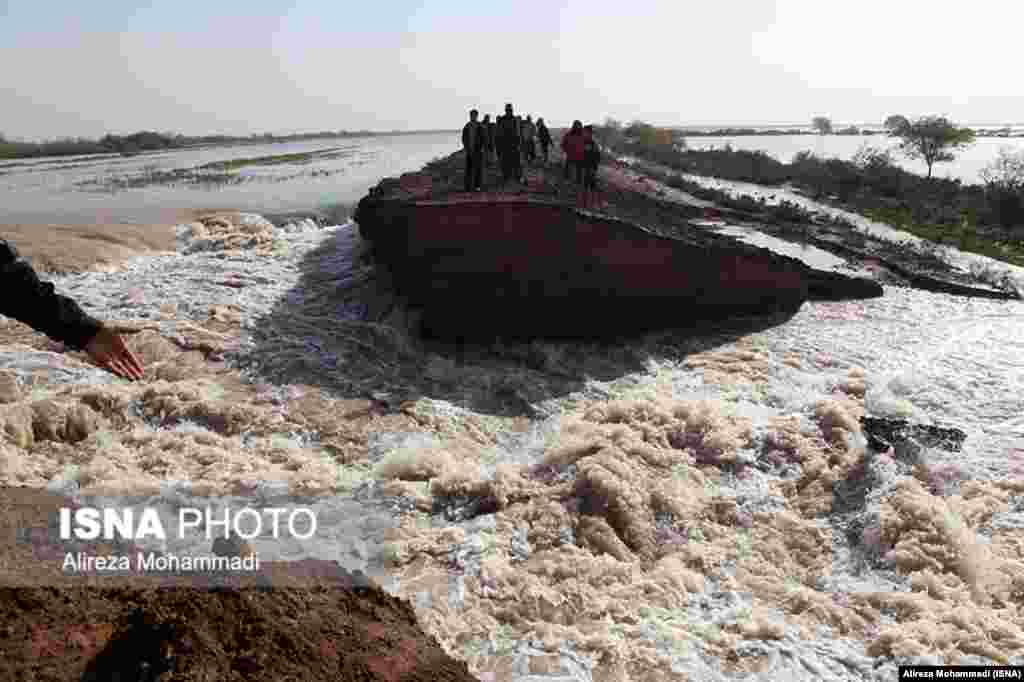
[[612, 134], [964, 236], [726, 162], [65, 147], [823, 124], [870, 181], [109, 144]]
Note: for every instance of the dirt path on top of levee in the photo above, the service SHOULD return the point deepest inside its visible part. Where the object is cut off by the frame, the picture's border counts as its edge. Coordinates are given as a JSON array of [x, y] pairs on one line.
[[549, 182]]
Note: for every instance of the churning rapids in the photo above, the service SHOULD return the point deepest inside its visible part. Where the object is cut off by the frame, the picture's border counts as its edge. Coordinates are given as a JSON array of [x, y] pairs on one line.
[[698, 503]]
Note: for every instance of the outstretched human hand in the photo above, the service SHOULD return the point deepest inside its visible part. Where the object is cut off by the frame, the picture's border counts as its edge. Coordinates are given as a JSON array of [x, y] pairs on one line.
[[110, 352]]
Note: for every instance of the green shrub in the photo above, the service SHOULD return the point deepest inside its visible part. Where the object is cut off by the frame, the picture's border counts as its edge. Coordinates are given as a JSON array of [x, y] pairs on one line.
[[870, 181]]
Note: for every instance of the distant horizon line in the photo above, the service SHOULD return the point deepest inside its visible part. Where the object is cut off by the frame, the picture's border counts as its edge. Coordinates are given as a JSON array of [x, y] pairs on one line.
[[398, 131]]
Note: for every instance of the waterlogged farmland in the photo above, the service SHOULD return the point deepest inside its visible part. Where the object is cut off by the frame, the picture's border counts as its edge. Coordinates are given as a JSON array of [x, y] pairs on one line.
[[267, 178], [966, 167], [299, 176]]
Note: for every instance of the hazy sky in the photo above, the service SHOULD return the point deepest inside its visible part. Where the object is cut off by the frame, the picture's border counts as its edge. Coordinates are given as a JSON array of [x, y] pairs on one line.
[[88, 68]]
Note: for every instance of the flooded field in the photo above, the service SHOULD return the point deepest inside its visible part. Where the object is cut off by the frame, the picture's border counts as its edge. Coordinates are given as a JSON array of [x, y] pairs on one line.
[[966, 167], [271, 178]]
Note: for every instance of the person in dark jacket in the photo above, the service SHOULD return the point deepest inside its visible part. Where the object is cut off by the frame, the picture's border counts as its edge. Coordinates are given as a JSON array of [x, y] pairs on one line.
[[488, 128], [529, 140], [35, 303], [473, 142], [496, 125], [494, 137], [507, 137], [544, 137], [572, 147], [591, 161]]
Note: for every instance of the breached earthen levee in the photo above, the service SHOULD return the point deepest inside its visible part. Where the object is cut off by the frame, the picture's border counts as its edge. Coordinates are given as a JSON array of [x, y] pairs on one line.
[[528, 265]]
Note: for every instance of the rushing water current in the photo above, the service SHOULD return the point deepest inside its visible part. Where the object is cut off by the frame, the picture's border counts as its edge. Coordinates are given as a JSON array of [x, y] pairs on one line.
[[932, 358]]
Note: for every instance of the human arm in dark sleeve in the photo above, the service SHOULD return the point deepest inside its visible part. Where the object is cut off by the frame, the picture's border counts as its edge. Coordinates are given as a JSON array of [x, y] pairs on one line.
[[27, 299]]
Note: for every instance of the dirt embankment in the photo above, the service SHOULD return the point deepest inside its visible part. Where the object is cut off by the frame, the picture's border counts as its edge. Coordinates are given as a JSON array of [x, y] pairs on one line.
[[306, 621], [897, 262]]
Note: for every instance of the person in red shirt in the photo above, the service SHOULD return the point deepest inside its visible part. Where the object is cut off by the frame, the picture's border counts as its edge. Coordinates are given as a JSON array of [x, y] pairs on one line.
[[573, 148]]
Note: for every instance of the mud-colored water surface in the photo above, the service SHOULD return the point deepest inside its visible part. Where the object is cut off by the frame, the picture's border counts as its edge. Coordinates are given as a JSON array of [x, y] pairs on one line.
[[698, 502], [266, 178]]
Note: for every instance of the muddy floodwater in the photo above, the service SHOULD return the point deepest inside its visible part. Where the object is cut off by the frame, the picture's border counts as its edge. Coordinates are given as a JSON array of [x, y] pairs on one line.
[[700, 502], [267, 178]]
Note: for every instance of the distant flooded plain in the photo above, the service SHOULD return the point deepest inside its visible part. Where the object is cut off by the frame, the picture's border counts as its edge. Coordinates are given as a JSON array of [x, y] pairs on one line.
[[263, 178], [966, 167], [308, 175]]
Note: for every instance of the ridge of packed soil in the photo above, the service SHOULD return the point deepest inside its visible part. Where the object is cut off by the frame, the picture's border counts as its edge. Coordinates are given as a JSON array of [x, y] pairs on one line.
[[305, 620]]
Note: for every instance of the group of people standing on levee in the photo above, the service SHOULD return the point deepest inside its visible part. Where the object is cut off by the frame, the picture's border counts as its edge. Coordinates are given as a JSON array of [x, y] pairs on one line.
[[513, 140]]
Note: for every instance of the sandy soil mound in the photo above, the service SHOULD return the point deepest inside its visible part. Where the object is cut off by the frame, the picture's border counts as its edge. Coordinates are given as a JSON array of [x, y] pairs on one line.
[[192, 635]]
